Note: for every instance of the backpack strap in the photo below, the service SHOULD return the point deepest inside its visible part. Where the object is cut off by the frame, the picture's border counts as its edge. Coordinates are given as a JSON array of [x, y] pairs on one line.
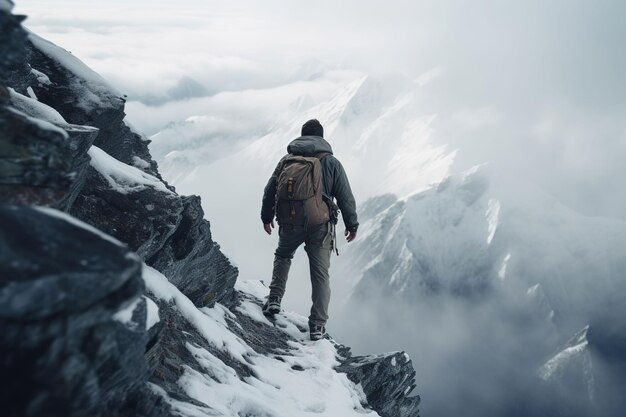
[[322, 155]]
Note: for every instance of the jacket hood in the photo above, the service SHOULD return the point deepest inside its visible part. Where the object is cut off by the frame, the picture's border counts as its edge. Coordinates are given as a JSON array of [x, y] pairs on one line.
[[309, 146]]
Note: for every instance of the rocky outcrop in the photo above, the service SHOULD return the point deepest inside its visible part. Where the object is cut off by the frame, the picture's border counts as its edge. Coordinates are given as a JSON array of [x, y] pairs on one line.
[[386, 380], [12, 40], [65, 108], [43, 158], [73, 333], [168, 231], [82, 97], [36, 172], [587, 375]]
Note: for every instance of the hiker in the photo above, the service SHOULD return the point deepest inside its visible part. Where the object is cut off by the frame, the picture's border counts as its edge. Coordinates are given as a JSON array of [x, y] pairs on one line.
[[301, 193]]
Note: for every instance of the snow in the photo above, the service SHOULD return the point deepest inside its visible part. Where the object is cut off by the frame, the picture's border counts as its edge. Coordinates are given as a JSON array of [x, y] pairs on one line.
[[93, 90], [493, 211], [140, 163], [474, 229], [36, 109], [41, 77], [152, 313], [505, 262], [125, 315], [532, 290], [31, 93], [249, 309], [212, 328], [575, 351], [275, 388], [42, 124], [252, 287], [66, 217], [121, 177]]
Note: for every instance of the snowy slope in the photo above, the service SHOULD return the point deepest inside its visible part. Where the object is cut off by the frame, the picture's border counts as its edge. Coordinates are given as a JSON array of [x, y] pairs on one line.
[[472, 232], [296, 381], [484, 281]]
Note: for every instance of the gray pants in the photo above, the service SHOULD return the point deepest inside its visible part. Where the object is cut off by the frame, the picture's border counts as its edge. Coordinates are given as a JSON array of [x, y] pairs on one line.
[[317, 244]]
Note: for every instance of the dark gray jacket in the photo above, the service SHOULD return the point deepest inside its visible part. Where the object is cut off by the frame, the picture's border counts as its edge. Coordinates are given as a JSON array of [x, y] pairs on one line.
[[334, 177]]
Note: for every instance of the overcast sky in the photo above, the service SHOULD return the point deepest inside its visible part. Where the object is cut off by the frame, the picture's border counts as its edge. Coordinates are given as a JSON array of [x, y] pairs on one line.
[[537, 87]]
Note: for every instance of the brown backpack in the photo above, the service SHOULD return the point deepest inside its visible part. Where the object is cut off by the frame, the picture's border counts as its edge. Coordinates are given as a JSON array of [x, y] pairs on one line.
[[299, 192]]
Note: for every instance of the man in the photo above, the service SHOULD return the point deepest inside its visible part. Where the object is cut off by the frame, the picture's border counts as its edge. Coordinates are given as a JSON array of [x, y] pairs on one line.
[[308, 222]]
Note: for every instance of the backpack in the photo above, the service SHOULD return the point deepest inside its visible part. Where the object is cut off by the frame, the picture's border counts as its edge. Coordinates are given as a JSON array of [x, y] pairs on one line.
[[299, 192]]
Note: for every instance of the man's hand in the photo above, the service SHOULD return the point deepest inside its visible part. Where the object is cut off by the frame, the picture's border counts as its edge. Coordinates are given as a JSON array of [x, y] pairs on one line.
[[268, 227], [350, 235]]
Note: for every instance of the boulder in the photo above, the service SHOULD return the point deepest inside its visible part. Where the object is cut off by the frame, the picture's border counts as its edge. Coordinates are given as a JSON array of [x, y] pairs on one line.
[[72, 316]]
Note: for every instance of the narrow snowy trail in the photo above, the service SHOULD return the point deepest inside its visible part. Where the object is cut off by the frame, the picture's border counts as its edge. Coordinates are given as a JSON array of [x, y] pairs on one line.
[[297, 378]]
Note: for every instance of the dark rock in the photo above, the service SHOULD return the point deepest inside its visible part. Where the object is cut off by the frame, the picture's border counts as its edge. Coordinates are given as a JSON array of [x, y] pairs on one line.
[[167, 230], [61, 286], [50, 167], [607, 346], [84, 101], [39, 163], [12, 51], [193, 261], [387, 380], [33, 171]]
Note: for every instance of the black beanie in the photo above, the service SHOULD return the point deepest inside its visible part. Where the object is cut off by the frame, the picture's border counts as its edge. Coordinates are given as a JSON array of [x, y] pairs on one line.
[[313, 128]]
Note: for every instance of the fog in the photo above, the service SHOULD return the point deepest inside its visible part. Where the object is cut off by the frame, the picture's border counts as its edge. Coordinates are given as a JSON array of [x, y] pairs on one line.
[[534, 89]]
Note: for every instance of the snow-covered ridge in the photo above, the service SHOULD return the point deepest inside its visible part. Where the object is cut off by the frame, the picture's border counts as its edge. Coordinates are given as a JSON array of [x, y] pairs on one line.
[[298, 381], [95, 91]]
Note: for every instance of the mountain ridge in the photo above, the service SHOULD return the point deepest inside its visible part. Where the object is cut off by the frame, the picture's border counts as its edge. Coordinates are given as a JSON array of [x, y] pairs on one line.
[[154, 326]]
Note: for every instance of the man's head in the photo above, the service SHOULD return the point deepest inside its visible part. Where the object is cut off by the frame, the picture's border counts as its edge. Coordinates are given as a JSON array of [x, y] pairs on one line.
[[312, 128]]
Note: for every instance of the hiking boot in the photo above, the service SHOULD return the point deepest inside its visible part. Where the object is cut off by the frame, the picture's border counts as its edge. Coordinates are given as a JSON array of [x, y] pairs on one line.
[[272, 305], [317, 331]]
